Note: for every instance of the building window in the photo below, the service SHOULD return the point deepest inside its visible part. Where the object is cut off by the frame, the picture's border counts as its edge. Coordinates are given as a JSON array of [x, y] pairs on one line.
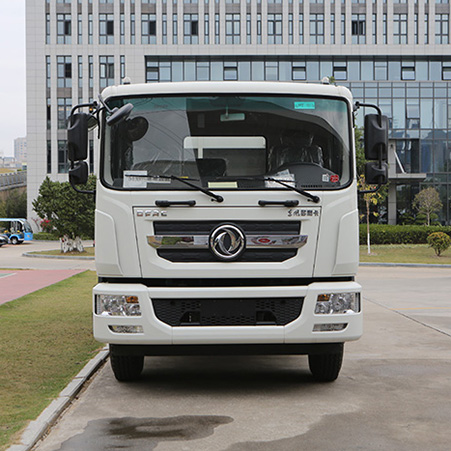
[[415, 20], [274, 28], [174, 29], [408, 70], [122, 28], [271, 70], [206, 28], [446, 72], [63, 164], [132, 29], [233, 29], [298, 72], [122, 67], [49, 156], [106, 71], [343, 28], [190, 29], [332, 28], [384, 27], [106, 29], [90, 28], [47, 28], [64, 28], [48, 72], [49, 113], [441, 28], [91, 71], [358, 28], [399, 28], [230, 70], [290, 28], [340, 70], [64, 107], [64, 71], [380, 70], [248, 28], [80, 72], [202, 70], [148, 29], [374, 28], [216, 28], [301, 28], [164, 28], [80, 29], [316, 28]]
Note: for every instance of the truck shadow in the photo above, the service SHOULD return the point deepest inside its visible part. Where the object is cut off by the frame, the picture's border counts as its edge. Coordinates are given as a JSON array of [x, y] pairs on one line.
[[231, 374]]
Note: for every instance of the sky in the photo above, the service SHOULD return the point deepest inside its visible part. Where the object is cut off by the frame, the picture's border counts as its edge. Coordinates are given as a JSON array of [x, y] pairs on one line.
[[12, 74]]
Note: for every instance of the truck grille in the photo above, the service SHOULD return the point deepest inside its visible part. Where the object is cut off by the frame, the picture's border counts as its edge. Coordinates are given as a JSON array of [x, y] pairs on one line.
[[187, 255], [228, 312]]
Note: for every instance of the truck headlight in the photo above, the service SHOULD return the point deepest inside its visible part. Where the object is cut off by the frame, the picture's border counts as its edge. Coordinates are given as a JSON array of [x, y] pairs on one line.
[[117, 305], [337, 303]]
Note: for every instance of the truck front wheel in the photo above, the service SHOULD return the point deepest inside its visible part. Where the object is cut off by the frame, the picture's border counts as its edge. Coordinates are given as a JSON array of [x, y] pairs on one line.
[[126, 367], [326, 367]]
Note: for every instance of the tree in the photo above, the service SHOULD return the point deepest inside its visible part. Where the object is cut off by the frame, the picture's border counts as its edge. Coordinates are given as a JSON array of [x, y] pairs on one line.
[[439, 241], [71, 214], [427, 202], [15, 205], [370, 199]]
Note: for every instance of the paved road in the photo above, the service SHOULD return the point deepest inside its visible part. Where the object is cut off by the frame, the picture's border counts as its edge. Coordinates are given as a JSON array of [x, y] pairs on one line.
[[12, 257], [393, 392]]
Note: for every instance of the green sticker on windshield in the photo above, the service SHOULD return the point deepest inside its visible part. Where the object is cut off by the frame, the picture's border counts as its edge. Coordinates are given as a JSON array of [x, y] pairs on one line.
[[304, 105]]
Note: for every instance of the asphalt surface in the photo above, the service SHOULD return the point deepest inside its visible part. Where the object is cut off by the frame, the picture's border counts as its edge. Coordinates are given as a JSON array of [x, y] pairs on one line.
[[393, 392]]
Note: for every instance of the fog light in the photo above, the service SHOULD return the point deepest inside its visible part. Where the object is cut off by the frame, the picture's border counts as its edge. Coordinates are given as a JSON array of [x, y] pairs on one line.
[[117, 305], [337, 303], [126, 329], [334, 327]]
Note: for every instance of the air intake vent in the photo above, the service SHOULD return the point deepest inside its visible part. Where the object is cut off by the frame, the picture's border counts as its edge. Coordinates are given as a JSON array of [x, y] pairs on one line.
[[228, 312]]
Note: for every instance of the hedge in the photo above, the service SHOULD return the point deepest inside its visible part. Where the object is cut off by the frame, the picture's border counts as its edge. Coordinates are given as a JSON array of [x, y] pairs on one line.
[[400, 234]]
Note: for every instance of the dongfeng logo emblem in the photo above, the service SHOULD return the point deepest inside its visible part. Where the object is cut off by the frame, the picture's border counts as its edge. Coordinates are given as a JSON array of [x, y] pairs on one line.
[[227, 242]]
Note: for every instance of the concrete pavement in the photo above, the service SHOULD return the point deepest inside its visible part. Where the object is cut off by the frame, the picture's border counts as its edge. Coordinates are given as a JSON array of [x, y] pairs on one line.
[[11, 257], [393, 392]]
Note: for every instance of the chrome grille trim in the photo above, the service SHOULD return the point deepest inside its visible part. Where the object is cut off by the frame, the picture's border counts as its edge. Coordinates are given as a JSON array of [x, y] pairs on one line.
[[201, 241]]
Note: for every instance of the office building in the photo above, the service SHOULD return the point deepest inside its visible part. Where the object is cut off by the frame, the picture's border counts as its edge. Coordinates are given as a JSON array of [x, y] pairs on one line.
[[392, 53]]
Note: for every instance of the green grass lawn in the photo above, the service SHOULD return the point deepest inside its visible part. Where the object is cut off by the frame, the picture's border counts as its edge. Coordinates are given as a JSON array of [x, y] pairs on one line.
[[404, 253], [45, 340], [88, 252]]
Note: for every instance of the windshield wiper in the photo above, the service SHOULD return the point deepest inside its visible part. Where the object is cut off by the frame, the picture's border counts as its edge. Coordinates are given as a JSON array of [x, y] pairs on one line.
[[310, 196], [216, 197]]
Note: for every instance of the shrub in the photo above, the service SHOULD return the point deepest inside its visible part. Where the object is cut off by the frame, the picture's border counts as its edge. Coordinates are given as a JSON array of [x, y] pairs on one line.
[[439, 241], [44, 236], [400, 234]]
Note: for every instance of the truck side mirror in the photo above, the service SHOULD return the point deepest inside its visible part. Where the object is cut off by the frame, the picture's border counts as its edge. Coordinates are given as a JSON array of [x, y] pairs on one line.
[[376, 174], [77, 136], [78, 175], [376, 137]]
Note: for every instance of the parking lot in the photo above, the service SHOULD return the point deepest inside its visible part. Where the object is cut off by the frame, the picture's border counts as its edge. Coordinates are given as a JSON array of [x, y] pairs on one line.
[[393, 392]]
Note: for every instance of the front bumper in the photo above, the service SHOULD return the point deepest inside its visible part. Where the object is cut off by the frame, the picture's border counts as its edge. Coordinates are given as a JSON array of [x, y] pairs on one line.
[[152, 331]]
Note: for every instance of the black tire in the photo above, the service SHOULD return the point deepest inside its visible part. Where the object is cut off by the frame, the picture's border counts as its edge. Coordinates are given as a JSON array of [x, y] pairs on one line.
[[14, 240], [326, 367], [126, 367]]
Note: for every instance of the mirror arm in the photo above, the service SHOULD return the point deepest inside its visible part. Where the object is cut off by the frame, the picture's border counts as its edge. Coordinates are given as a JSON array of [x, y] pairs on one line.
[[370, 191], [358, 104]]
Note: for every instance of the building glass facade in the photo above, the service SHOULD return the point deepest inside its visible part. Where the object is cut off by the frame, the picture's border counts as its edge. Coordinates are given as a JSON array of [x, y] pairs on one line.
[[391, 53]]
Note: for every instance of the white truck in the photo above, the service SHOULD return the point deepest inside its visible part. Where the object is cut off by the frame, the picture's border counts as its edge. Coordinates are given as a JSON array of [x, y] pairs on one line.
[[226, 219]]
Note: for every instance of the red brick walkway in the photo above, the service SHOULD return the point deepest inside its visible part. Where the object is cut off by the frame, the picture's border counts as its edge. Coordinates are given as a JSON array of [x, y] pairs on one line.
[[17, 283]]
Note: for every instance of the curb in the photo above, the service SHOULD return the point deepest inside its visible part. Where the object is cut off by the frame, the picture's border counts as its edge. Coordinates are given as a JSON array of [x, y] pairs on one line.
[[31, 255], [407, 265], [39, 427]]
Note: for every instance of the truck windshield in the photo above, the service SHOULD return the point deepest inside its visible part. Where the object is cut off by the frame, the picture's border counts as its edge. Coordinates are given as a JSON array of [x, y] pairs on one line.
[[229, 142]]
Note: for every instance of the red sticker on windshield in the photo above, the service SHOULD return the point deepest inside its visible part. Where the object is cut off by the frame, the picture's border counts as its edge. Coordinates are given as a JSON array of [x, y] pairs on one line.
[[334, 178]]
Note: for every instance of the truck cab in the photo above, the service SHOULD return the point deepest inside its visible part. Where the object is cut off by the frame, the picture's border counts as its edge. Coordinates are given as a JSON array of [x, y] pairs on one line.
[[226, 221]]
